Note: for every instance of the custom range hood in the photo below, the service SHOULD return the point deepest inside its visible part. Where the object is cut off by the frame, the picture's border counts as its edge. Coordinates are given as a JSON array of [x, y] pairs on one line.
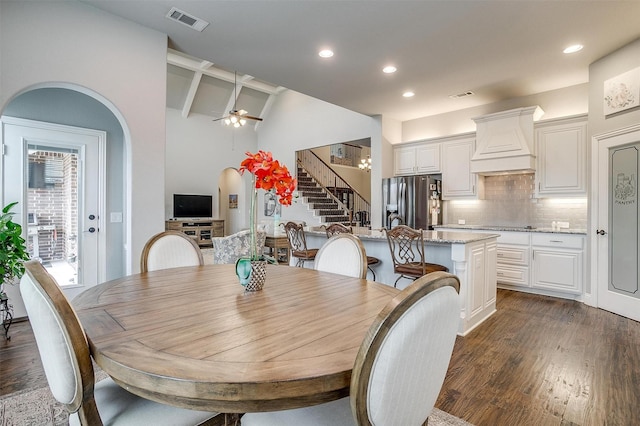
[[505, 143]]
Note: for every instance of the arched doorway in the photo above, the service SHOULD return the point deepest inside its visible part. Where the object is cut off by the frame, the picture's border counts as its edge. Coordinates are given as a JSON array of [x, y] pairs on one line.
[[75, 107]]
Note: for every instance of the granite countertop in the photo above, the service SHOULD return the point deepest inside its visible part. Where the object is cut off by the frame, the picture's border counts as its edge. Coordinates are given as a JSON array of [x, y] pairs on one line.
[[435, 237], [515, 229]]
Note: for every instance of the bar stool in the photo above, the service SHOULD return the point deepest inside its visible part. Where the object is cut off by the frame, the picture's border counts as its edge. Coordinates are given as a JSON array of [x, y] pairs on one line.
[[338, 228], [298, 244]]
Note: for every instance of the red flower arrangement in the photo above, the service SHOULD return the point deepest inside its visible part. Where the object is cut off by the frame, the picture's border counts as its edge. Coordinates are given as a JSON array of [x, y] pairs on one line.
[[268, 174]]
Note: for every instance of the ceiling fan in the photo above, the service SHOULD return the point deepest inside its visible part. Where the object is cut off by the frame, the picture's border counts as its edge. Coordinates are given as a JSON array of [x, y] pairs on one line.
[[236, 117]]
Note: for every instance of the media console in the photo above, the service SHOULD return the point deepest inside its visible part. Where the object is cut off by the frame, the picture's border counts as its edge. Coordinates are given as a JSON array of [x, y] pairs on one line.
[[201, 230]]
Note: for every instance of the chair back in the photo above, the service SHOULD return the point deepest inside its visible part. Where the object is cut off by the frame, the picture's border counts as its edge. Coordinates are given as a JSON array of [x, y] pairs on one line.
[[343, 254], [170, 249], [406, 245], [61, 341], [295, 236], [402, 363], [232, 247], [337, 228]]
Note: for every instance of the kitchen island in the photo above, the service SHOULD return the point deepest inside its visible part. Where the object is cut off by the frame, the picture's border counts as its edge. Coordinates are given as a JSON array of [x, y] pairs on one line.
[[469, 256]]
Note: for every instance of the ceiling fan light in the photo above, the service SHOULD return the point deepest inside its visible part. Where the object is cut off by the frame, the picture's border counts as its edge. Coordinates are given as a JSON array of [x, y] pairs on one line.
[[243, 121], [227, 121], [236, 124], [233, 119]]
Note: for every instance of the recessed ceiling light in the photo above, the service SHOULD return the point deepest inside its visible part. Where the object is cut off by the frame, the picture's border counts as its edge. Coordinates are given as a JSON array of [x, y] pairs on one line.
[[408, 94], [573, 48], [325, 53], [389, 69]]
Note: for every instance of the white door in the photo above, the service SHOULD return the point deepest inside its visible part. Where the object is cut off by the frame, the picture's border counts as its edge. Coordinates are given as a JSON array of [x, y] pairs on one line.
[[56, 173], [618, 223]]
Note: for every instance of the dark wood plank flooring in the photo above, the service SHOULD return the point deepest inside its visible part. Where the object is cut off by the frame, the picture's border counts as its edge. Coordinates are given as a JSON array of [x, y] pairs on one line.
[[537, 361]]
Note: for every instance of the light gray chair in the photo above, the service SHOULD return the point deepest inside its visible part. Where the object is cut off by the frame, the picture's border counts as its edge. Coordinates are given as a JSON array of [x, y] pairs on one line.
[[342, 254], [232, 247], [170, 249], [401, 364], [65, 357]]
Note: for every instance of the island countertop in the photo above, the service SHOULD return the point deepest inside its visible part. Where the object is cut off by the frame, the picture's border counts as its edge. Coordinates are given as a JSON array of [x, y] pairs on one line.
[[433, 237]]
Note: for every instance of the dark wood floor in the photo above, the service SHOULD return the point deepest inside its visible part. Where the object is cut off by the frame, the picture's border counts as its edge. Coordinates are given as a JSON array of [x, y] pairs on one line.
[[537, 361]]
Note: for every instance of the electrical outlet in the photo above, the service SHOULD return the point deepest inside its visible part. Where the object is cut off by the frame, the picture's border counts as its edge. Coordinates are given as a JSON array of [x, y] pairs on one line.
[[563, 225], [461, 221]]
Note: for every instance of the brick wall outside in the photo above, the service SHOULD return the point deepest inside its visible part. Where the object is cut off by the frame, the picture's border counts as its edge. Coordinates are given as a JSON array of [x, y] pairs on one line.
[[509, 201], [55, 204]]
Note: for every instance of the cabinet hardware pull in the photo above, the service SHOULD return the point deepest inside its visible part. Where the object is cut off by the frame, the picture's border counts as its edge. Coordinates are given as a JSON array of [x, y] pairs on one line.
[[555, 241]]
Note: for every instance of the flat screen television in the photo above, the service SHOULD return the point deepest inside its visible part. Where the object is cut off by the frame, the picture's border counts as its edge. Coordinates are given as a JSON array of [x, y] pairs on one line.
[[192, 206]]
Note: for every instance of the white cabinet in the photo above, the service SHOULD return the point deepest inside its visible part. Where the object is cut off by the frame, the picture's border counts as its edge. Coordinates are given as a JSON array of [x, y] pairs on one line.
[[457, 179], [557, 262], [513, 259], [417, 159], [562, 157]]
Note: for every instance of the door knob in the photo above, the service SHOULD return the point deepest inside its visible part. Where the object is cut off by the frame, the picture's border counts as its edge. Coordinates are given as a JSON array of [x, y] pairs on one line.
[[92, 229], [601, 231]]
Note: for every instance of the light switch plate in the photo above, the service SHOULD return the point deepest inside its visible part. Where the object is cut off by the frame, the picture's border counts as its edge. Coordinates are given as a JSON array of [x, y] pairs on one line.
[[116, 217], [461, 222], [563, 225]]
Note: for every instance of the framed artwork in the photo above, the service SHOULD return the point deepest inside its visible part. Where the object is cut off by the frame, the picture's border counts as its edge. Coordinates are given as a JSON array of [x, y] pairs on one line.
[[622, 92], [233, 201]]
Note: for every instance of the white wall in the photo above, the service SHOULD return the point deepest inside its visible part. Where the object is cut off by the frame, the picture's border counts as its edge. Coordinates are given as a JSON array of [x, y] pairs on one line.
[[198, 150], [572, 100], [123, 63], [298, 122]]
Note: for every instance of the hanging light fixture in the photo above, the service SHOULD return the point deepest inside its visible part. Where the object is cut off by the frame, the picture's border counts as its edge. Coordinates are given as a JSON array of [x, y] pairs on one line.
[[365, 164], [235, 117]]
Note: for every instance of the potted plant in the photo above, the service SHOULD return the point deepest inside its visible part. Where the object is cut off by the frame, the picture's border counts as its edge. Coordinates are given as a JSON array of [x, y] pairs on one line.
[[13, 250], [270, 175]]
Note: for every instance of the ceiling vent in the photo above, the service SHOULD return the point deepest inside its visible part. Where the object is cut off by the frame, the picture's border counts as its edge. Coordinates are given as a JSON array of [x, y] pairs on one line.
[[186, 19], [462, 95]]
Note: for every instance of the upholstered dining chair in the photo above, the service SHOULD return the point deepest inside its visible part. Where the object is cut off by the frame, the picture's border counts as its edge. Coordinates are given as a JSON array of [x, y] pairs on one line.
[[400, 366], [298, 244], [67, 364], [407, 253], [170, 249], [343, 254], [338, 228]]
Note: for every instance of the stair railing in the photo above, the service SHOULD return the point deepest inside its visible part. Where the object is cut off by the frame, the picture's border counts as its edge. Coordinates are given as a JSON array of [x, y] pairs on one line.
[[334, 184]]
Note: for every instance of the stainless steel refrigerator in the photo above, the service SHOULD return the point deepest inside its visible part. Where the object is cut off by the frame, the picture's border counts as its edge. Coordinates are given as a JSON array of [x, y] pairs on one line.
[[412, 200]]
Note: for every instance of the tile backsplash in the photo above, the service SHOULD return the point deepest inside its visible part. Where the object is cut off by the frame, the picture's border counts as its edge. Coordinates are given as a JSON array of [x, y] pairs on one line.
[[509, 201]]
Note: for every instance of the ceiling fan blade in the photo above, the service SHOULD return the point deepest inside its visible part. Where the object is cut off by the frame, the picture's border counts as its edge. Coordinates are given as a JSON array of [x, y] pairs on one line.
[[251, 117], [218, 119]]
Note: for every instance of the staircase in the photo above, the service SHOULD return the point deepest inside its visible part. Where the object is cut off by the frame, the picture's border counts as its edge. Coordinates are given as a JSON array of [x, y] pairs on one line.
[[320, 200]]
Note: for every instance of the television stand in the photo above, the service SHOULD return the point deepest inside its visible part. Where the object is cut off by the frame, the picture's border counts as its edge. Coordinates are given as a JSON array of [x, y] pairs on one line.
[[201, 230]]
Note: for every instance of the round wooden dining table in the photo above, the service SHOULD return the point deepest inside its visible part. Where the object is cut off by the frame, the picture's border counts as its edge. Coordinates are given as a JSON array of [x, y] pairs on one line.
[[192, 337]]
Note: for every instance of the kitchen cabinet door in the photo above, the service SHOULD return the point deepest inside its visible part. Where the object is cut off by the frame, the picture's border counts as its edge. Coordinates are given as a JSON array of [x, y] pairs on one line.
[[557, 270], [562, 158], [417, 159], [428, 158], [457, 179]]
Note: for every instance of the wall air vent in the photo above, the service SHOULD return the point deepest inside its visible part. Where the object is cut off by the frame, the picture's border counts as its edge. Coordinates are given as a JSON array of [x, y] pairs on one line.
[[461, 95], [186, 19]]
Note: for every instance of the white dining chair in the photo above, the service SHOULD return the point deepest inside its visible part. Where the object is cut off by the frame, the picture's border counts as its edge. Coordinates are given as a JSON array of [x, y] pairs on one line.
[[342, 254], [67, 364], [400, 367], [170, 249]]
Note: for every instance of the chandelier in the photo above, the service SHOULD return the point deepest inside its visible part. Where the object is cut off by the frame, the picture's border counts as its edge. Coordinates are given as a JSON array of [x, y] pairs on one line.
[[365, 164]]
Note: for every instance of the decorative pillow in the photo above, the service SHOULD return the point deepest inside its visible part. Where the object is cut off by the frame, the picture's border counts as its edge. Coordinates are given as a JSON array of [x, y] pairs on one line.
[[232, 247]]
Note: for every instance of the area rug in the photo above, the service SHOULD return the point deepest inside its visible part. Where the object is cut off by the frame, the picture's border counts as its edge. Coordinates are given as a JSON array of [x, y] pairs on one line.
[[36, 407]]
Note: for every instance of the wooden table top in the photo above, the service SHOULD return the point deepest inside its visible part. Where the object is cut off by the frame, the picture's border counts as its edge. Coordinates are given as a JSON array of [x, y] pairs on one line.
[[192, 337]]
